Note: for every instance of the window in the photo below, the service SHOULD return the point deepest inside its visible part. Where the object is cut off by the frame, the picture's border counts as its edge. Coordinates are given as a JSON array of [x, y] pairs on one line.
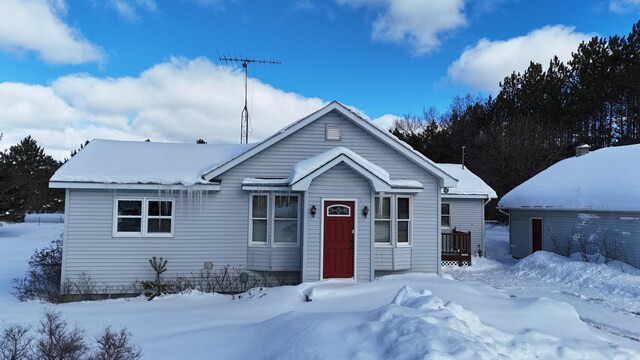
[[393, 220], [338, 210], [403, 220], [285, 219], [445, 215], [259, 206], [129, 216], [159, 216], [143, 217], [383, 220], [274, 215]]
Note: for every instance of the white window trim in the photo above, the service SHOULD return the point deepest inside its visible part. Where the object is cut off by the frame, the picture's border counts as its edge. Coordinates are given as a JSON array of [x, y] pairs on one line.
[[144, 218], [410, 221], [394, 222], [273, 220], [251, 218], [390, 220], [445, 227], [270, 241]]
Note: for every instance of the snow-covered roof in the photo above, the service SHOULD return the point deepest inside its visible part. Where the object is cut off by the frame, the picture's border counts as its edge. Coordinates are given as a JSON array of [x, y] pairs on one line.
[[468, 182], [605, 179], [311, 165], [136, 162]]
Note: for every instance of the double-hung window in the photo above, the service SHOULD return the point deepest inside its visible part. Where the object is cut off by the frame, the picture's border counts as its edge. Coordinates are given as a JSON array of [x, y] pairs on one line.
[[403, 220], [274, 219], [393, 220], [445, 215], [143, 217], [285, 219], [259, 206], [383, 220]]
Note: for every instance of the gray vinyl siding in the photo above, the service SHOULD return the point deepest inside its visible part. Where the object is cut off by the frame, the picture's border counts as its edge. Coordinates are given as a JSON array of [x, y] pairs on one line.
[[214, 226], [339, 183], [467, 215], [558, 227], [276, 161], [119, 261]]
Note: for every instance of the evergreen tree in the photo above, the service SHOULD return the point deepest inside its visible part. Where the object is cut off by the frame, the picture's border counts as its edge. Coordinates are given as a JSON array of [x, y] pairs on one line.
[[25, 172]]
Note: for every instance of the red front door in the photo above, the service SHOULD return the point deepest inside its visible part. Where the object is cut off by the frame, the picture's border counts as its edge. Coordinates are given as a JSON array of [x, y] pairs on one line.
[[536, 235], [339, 234]]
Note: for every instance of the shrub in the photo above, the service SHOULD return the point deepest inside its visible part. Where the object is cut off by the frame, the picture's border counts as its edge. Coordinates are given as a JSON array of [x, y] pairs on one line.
[[156, 287], [116, 345], [42, 281], [15, 343], [56, 341]]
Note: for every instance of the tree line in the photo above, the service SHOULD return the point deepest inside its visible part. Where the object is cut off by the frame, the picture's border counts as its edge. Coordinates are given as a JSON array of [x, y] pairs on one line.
[[539, 116]]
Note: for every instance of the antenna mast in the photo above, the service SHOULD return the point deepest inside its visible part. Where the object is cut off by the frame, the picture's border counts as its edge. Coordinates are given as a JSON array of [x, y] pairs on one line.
[[244, 115]]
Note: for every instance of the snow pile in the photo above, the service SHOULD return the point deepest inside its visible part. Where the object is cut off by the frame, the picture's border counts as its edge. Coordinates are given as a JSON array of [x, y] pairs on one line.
[[604, 278], [602, 179], [468, 182], [383, 319], [139, 162]]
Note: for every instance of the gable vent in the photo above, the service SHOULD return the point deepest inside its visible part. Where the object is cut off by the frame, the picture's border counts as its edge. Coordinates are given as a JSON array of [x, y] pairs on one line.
[[332, 132]]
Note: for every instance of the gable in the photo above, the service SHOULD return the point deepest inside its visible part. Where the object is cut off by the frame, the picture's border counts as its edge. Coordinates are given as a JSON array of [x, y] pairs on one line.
[[353, 130]]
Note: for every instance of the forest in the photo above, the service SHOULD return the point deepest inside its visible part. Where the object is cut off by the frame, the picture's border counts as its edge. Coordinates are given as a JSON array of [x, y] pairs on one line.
[[539, 116]]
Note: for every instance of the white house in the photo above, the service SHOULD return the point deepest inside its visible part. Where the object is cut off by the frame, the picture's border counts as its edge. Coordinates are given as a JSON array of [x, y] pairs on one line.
[[329, 196], [590, 200]]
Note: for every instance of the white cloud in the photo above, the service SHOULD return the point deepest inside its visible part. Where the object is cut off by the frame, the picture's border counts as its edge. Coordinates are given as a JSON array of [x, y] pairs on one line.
[[484, 65], [179, 100], [35, 25], [418, 23], [624, 6], [128, 9]]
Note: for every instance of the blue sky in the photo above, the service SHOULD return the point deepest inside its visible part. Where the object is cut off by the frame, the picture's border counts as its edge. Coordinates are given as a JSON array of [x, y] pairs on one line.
[[136, 69]]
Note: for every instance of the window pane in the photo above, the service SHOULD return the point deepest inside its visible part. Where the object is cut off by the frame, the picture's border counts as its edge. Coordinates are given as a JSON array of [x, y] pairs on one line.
[[286, 207], [383, 232], [403, 231], [259, 207], [130, 207], [129, 224], [159, 226], [384, 211], [165, 208], [445, 209], [259, 231], [445, 221], [403, 208], [154, 208], [285, 231]]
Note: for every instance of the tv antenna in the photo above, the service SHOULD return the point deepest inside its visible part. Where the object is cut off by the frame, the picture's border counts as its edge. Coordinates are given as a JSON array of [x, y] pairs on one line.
[[244, 115]]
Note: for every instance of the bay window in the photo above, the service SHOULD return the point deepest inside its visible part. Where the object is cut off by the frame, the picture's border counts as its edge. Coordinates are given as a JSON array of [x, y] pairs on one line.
[[393, 220], [274, 217]]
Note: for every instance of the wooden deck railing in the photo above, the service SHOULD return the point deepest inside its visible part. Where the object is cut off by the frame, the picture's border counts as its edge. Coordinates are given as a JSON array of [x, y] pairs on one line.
[[456, 246]]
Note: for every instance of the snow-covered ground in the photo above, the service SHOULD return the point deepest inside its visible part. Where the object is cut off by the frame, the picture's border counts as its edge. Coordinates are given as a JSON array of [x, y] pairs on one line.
[[542, 307]]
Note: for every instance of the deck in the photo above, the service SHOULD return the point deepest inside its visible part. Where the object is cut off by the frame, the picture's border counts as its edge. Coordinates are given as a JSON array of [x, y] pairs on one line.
[[456, 248]]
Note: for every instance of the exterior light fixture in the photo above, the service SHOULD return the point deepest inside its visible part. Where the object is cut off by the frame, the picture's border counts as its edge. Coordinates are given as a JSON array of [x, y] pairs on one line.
[[312, 211], [365, 211]]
